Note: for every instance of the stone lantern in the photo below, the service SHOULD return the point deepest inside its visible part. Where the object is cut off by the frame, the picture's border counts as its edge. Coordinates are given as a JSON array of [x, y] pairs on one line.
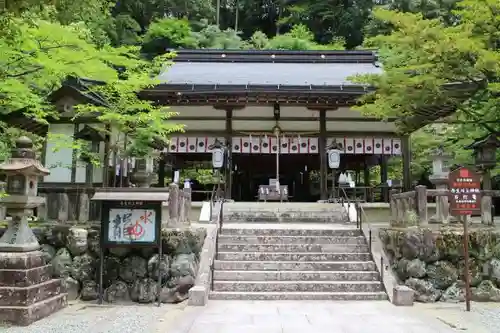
[[485, 159], [22, 171], [485, 151], [28, 292], [439, 178]]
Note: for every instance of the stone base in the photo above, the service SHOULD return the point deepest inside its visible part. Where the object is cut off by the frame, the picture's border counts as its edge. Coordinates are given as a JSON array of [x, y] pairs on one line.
[[27, 291], [26, 315]]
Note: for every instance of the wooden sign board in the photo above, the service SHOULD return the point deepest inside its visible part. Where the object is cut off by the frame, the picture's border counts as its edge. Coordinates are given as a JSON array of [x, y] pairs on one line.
[[131, 223], [465, 192]]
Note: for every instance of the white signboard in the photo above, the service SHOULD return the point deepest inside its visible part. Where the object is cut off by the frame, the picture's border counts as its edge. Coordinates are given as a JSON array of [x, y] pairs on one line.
[[131, 225], [176, 176]]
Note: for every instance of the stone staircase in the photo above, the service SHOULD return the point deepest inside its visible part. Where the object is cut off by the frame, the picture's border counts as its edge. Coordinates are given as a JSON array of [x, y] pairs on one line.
[[282, 262]]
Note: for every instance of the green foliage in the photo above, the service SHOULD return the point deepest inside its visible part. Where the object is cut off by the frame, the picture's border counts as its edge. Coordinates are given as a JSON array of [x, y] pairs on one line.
[[133, 123], [123, 30], [168, 33], [420, 56]]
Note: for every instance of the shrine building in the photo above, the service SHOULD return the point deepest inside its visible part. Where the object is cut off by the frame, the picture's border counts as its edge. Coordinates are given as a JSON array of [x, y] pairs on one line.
[[277, 112]]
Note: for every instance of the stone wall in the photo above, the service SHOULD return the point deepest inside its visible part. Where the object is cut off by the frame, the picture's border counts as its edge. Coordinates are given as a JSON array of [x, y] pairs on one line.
[[129, 274], [432, 262]]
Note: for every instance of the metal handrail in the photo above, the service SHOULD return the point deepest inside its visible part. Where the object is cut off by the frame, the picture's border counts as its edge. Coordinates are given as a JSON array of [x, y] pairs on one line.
[[219, 222]]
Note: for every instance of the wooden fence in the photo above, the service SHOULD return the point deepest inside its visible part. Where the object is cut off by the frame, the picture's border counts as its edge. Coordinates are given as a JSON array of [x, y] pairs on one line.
[[71, 204], [403, 205]]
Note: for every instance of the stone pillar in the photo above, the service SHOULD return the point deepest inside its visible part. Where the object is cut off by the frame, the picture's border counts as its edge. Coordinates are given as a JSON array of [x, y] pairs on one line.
[[83, 208], [28, 292], [187, 205], [173, 205], [486, 200], [421, 204]]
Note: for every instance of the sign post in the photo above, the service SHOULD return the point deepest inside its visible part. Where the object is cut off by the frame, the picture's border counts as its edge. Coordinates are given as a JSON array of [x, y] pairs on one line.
[[465, 199], [131, 217]]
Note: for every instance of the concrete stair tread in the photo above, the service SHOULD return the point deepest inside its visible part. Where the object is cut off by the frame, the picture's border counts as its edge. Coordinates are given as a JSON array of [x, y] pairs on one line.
[[295, 248], [295, 253], [297, 282], [294, 295], [296, 272], [295, 262]]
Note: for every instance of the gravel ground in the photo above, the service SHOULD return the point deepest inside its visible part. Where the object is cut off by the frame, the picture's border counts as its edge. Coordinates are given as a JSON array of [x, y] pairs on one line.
[[80, 318], [489, 316]]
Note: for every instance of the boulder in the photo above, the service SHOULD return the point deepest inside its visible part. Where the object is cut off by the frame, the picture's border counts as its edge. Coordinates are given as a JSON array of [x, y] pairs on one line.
[[61, 263], [425, 292], [133, 268], [94, 242], [455, 293], [475, 271], [184, 265], [111, 270], [401, 269], [144, 290], [48, 251], [82, 268], [117, 292], [493, 270], [71, 287], [180, 292], [155, 266], [90, 291], [486, 292], [416, 268], [442, 274], [76, 241]]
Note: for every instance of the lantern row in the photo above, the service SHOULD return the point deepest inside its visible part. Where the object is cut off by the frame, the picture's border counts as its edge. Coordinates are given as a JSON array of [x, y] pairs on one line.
[[286, 145]]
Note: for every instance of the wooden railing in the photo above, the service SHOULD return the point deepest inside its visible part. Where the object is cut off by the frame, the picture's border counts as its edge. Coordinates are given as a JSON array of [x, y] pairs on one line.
[[378, 193], [412, 205], [72, 205]]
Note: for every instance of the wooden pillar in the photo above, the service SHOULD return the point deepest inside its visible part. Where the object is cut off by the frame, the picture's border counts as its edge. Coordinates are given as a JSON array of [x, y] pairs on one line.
[[161, 170], [405, 145], [229, 144], [383, 178], [323, 170]]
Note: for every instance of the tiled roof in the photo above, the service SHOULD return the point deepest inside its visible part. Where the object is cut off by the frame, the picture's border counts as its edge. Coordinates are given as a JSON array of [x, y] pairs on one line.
[[274, 68]]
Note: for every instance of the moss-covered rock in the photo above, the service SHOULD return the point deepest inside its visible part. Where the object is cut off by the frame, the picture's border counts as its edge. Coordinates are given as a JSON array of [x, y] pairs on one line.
[[129, 273], [425, 257]]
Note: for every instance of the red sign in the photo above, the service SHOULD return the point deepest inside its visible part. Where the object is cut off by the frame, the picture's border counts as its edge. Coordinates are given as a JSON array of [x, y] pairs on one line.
[[465, 192]]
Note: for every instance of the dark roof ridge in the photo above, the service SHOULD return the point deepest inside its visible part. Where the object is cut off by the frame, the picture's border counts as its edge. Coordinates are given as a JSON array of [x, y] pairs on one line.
[[276, 56]]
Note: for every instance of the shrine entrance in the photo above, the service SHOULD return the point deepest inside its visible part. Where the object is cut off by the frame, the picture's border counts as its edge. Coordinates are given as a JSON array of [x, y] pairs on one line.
[[295, 171]]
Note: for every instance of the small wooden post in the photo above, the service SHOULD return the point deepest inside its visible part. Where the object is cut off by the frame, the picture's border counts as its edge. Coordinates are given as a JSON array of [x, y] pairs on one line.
[[466, 262], [421, 204]]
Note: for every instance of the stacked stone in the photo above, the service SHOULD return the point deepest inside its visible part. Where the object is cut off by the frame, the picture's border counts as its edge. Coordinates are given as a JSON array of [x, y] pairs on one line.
[[129, 274], [431, 262]]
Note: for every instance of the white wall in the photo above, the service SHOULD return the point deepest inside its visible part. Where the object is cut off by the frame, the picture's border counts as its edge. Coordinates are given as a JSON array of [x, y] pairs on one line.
[[59, 162]]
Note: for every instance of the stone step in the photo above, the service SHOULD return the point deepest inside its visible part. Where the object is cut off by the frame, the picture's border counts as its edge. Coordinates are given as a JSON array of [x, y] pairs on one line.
[[295, 265], [256, 275], [26, 296], [322, 248], [290, 232], [247, 239], [298, 286], [298, 296], [297, 256]]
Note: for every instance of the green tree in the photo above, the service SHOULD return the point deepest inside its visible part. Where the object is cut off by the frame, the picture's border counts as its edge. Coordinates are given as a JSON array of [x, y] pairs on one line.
[[421, 56], [168, 33]]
